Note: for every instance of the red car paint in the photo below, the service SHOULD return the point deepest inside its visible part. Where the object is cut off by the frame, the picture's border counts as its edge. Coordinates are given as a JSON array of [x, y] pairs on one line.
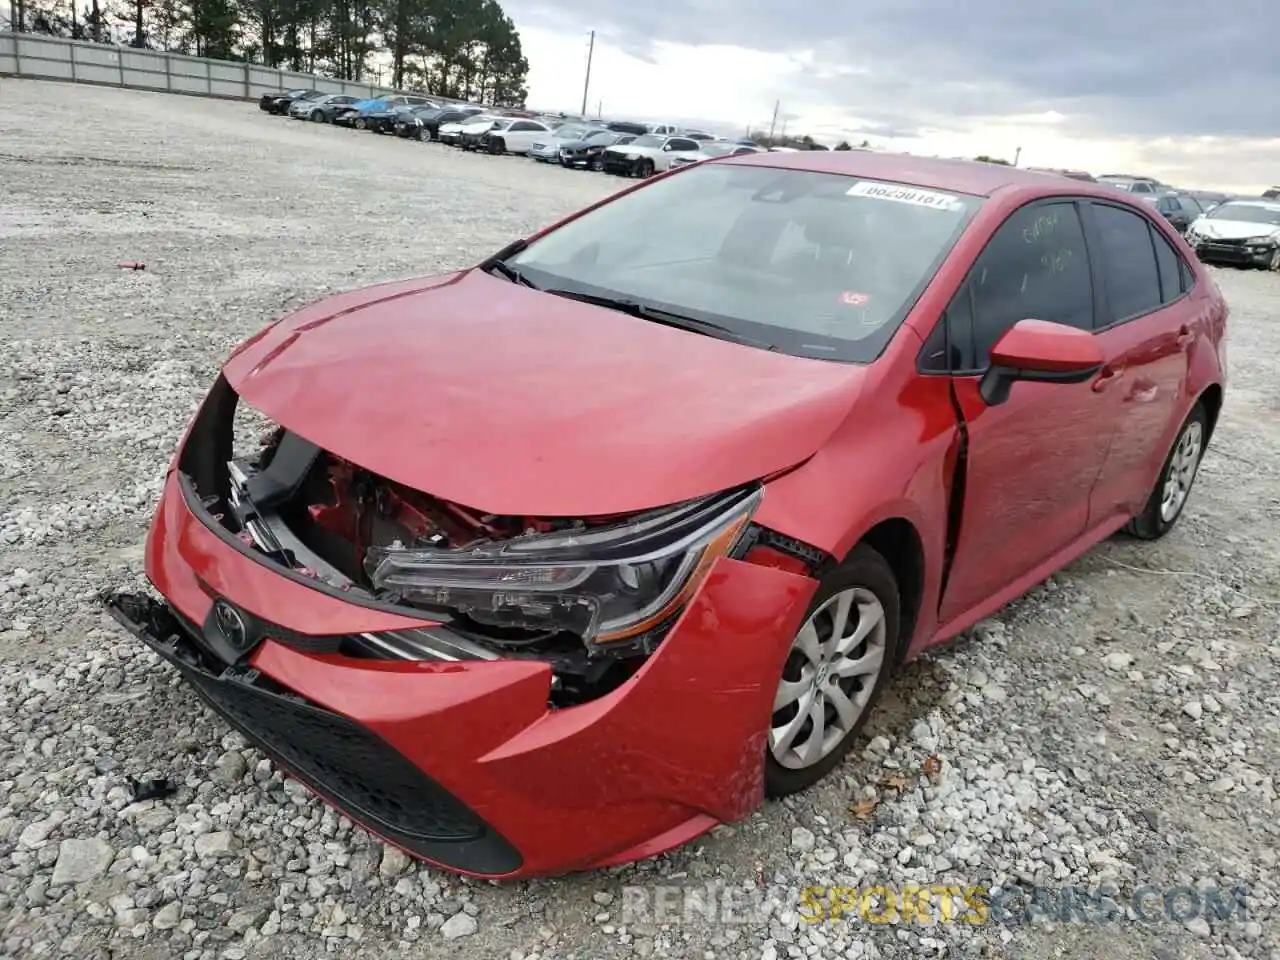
[[507, 400]]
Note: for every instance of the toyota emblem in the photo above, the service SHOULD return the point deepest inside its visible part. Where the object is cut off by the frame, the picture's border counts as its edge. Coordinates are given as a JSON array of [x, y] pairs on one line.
[[232, 624]]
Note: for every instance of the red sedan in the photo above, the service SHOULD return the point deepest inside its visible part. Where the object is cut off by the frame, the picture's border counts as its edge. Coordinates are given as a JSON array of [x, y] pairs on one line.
[[561, 560]]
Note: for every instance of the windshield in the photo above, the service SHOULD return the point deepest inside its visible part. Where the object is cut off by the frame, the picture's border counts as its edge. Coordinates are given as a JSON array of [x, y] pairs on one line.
[[1247, 213], [568, 132], [648, 140], [814, 264], [600, 136]]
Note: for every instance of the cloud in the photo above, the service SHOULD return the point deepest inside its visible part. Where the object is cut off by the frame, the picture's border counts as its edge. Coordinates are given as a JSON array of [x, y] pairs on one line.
[[1145, 68]]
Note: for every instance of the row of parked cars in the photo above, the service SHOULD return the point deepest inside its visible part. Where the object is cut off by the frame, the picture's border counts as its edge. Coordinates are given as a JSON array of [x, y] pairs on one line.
[[628, 149], [1221, 228]]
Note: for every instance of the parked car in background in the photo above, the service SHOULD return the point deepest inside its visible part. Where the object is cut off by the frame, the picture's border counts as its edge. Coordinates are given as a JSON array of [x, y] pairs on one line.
[[354, 114], [1180, 209], [408, 121], [547, 149], [1130, 184], [1245, 233], [647, 155], [588, 151], [712, 151], [1082, 175], [281, 105], [727, 507], [476, 127], [271, 102], [431, 123], [382, 119], [1208, 199], [321, 109], [512, 135], [626, 126], [1271, 193]]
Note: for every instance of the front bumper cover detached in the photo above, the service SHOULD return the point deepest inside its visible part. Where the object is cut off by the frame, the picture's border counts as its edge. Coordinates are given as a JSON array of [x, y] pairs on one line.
[[465, 763], [338, 759]]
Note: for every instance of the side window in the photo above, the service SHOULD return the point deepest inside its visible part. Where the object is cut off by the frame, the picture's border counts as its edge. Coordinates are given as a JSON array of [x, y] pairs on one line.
[[1192, 208], [1170, 266], [523, 126], [1036, 267], [680, 143], [1128, 261], [1141, 188]]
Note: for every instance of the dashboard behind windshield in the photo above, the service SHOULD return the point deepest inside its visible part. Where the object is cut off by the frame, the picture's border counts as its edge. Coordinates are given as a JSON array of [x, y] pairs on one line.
[[814, 264]]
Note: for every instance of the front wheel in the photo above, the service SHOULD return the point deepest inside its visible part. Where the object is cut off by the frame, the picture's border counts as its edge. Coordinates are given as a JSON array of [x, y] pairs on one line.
[[360, 123], [1274, 265], [497, 145], [1164, 505], [645, 168], [317, 116], [838, 663]]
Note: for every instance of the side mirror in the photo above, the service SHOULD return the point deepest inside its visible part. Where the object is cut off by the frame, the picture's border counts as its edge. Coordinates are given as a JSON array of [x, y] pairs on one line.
[[667, 148], [1040, 352]]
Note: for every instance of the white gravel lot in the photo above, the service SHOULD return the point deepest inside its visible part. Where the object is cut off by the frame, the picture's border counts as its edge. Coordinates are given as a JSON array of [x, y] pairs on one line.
[[1121, 724]]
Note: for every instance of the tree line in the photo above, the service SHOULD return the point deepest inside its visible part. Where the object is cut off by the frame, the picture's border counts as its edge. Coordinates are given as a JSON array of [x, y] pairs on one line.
[[461, 49]]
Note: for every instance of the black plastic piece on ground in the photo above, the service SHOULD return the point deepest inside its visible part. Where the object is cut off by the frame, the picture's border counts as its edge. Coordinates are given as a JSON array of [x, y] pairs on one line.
[[352, 767]]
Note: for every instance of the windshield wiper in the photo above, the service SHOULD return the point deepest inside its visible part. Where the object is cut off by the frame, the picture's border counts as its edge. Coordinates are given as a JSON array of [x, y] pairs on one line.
[[502, 268], [497, 263], [668, 318]]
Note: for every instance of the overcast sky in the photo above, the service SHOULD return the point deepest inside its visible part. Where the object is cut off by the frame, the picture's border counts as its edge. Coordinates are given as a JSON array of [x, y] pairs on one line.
[[1186, 91]]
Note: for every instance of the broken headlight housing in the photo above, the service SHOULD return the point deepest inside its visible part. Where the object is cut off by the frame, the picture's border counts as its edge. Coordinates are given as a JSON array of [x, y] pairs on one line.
[[607, 584]]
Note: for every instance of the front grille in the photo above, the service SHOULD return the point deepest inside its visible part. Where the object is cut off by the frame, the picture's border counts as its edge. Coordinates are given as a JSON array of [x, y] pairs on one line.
[[355, 769]]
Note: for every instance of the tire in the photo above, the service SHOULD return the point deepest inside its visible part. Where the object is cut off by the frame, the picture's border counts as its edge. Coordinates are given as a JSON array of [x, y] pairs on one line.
[[1274, 265], [497, 146], [596, 165], [1169, 498], [866, 583], [644, 168], [317, 116], [360, 123]]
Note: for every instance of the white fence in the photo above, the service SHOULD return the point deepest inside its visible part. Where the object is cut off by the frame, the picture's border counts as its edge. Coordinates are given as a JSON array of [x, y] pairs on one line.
[[39, 57]]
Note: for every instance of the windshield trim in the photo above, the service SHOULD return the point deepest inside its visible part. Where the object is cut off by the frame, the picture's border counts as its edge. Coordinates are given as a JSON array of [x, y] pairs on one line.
[[789, 340]]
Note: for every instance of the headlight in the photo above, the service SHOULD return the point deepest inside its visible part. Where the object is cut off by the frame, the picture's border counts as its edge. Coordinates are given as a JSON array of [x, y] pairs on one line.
[[606, 584]]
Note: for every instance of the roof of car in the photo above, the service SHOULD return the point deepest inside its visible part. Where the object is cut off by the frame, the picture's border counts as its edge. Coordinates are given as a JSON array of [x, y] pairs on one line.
[[963, 176]]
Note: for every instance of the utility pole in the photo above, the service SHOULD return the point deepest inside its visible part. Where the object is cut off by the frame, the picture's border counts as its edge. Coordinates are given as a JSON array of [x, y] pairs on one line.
[[586, 84], [1016, 155], [774, 122], [599, 108]]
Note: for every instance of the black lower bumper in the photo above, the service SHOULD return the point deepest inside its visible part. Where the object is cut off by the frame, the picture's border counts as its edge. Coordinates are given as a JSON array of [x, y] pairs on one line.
[[1234, 254], [357, 771], [623, 168]]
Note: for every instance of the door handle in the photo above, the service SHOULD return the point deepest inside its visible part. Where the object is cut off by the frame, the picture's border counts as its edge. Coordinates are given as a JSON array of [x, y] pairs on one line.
[[1106, 378]]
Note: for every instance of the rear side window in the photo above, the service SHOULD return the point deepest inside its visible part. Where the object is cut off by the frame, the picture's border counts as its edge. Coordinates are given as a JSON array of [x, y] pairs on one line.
[[680, 143], [1128, 260], [1170, 266], [1036, 267]]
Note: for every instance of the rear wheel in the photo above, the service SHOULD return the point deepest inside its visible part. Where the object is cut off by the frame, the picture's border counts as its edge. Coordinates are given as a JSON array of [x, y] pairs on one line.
[[837, 665], [1165, 504]]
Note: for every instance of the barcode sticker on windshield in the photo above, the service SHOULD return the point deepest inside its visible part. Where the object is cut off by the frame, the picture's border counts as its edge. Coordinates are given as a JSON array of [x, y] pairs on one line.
[[912, 195]]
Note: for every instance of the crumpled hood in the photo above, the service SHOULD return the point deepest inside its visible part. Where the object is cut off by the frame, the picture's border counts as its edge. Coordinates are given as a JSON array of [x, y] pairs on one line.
[[513, 401], [1233, 229]]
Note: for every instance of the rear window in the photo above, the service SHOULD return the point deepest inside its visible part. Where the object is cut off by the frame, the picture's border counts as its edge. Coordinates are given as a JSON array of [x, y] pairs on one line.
[[814, 264]]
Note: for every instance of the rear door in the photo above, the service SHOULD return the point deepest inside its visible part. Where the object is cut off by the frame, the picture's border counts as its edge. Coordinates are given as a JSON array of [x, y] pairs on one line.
[[1148, 319], [1032, 461]]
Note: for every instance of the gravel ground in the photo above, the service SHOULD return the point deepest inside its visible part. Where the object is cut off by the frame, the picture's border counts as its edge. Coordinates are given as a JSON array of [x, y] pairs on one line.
[[1119, 725]]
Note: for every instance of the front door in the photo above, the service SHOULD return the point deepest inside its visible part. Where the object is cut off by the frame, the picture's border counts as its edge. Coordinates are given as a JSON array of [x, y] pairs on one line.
[[1032, 461]]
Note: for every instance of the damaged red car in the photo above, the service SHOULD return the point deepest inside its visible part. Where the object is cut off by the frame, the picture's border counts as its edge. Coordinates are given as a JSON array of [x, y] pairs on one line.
[[561, 560]]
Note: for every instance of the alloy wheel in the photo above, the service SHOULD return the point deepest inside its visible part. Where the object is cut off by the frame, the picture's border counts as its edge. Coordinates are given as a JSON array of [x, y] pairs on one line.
[[1181, 472], [1275, 260], [827, 682]]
